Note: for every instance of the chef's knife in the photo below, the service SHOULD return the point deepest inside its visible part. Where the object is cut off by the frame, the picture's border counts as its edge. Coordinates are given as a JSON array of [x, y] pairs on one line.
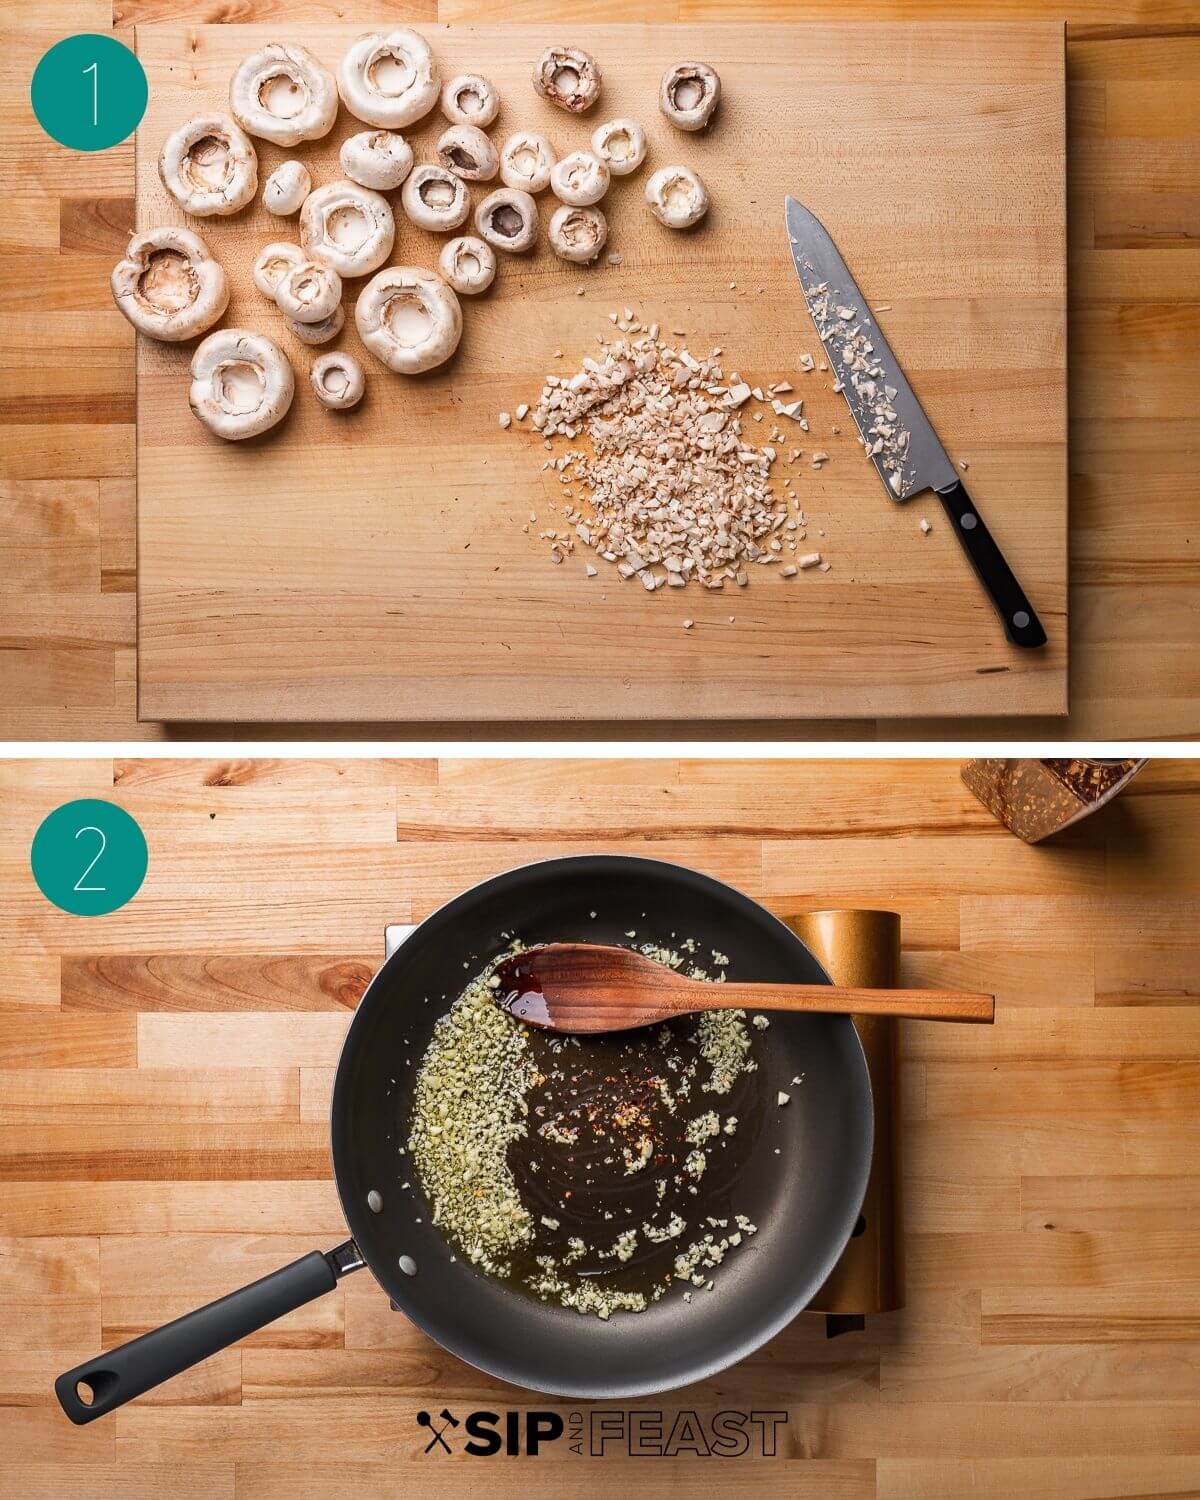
[[899, 440]]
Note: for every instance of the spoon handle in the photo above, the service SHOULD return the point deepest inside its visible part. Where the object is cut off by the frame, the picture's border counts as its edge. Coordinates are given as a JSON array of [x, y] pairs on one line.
[[907, 1005]]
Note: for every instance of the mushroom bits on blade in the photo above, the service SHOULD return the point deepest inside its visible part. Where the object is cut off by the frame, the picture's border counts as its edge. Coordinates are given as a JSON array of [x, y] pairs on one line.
[[286, 189], [468, 264], [242, 383], [409, 319], [273, 263], [389, 79], [508, 219], [621, 145], [470, 100], [348, 227], [580, 179], [526, 161], [337, 380], [284, 95], [689, 93], [577, 234], [468, 153], [309, 292], [379, 159], [677, 197], [168, 285], [209, 166], [435, 198], [568, 77]]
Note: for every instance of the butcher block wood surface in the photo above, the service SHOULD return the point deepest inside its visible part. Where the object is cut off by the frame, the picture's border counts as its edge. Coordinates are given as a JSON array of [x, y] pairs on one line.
[[67, 387], [393, 563], [165, 1071]]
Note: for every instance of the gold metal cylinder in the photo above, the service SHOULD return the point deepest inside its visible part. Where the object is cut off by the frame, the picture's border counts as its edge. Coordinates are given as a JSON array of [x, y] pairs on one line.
[[863, 948]]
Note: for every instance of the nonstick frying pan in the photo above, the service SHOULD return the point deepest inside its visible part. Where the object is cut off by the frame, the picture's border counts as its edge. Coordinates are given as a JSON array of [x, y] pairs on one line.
[[803, 1188]]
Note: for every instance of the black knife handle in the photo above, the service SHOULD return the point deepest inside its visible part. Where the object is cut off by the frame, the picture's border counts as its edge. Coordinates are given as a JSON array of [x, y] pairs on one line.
[[1021, 624]]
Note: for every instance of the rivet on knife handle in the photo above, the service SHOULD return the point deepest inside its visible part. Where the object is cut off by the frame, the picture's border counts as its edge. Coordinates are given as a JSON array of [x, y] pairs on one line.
[[1021, 624]]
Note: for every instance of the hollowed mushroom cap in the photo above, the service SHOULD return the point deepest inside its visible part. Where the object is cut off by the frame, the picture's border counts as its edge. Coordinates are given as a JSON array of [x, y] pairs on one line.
[[409, 319], [242, 383], [568, 77], [309, 292], [435, 198], [348, 227], [337, 380], [379, 159], [621, 144], [577, 234], [470, 100], [677, 197], [468, 153], [319, 333], [508, 219], [389, 78], [689, 93], [580, 179], [468, 264], [209, 166], [274, 262], [283, 94], [168, 285], [526, 161], [286, 189]]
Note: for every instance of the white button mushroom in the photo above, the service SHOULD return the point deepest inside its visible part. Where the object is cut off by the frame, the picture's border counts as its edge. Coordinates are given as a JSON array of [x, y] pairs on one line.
[[286, 189], [468, 264], [621, 144], [209, 166], [169, 286], [467, 152], [379, 159], [348, 227], [273, 263], [309, 292], [689, 93], [577, 234], [284, 95], [435, 198], [409, 319], [320, 333], [389, 79], [470, 100], [526, 161], [677, 197], [580, 179], [242, 383], [568, 77], [508, 219], [337, 380]]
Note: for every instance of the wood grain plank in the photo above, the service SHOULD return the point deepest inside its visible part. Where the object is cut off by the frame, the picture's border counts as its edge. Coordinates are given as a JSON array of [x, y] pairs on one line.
[[208, 981], [288, 1206], [49, 1292], [144, 1095]]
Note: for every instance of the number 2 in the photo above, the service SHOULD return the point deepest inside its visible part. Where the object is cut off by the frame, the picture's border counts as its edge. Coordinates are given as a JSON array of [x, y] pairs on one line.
[[79, 885], [94, 70]]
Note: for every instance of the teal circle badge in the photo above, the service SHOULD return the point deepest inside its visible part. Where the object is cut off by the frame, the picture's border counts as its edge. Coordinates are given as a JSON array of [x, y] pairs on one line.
[[89, 857], [89, 92]]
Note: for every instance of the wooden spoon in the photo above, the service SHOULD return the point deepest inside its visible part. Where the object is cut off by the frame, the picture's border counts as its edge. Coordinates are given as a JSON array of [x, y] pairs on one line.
[[583, 987]]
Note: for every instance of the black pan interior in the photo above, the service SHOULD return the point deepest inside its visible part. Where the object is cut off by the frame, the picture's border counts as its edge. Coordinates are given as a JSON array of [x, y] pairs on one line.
[[805, 1199]]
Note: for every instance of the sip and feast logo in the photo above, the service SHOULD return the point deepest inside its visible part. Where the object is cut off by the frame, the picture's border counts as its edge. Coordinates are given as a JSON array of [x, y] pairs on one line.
[[602, 1434]]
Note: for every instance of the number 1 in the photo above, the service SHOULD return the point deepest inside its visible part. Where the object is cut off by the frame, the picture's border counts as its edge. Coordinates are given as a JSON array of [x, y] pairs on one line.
[[94, 70]]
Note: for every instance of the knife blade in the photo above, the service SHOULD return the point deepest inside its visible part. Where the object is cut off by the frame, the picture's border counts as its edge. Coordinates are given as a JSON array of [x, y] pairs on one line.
[[896, 434]]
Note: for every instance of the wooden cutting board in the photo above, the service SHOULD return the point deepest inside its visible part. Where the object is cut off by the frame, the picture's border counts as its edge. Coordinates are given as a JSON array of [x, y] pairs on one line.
[[382, 565]]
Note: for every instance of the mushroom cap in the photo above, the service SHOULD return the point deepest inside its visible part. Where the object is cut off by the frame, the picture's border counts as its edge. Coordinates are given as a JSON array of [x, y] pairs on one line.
[[568, 77], [621, 144], [389, 78], [273, 263], [242, 383], [689, 93], [677, 197], [286, 189], [508, 219], [526, 161], [284, 94], [309, 292], [379, 159], [580, 178], [319, 333], [468, 153], [409, 319], [577, 234], [468, 264], [348, 227], [209, 166], [168, 285], [470, 99], [337, 380], [435, 198]]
